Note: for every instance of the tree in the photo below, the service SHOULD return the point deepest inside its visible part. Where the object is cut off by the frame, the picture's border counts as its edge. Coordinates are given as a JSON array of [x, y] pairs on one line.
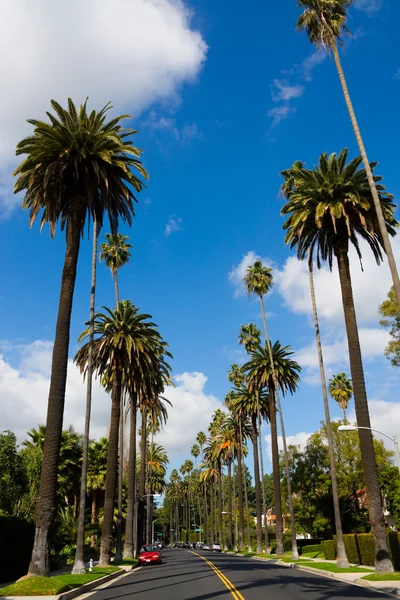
[[252, 403], [324, 21], [390, 311], [13, 479], [76, 165], [330, 207], [96, 477], [195, 452], [125, 344], [259, 281], [341, 390]]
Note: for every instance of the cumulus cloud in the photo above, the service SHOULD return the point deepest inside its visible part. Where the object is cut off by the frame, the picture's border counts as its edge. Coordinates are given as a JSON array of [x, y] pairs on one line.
[[24, 389], [173, 225], [158, 52], [299, 439], [238, 271]]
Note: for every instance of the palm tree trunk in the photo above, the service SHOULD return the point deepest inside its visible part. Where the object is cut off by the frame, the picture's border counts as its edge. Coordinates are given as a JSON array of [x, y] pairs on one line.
[[266, 540], [342, 561], [111, 476], [257, 481], [374, 499], [295, 553], [385, 236], [149, 498], [79, 564], [246, 501], [220, 509], [118, 548], [276, 474], [230, 545], [142, 478], [177, 533], [211, 511], [130, 509], [94, 518], [115, 277], [46, 504], [239, 453]]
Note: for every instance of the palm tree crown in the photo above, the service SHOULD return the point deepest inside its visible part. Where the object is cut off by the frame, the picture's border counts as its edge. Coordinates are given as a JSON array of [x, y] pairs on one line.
[[259, 373], [323, 20], [115, 251], [258, 279], [331, 205], [79, 159], [249, 336], [341, 390]]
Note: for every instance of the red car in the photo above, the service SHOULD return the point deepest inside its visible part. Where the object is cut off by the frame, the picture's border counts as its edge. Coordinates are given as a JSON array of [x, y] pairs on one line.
[[149, 555]]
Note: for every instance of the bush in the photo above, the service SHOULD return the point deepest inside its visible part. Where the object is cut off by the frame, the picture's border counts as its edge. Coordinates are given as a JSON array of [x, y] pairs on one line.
[[16, 545], [351, 546], [366, 546], [393, 541], [329, 549], [313, 548]]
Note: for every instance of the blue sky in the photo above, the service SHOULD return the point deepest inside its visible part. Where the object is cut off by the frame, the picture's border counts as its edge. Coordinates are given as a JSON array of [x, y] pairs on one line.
[[225, 97]]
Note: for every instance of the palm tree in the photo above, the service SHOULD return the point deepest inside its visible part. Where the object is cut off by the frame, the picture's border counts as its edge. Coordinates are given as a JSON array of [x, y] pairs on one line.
[[79, 565], [126, 342], [116, 253], [96, 477], [76, 165], [341, 390], [252, 404], [324, 21], [195, 452], [329, 207], [258, 281], [201, 440], [250, 337]]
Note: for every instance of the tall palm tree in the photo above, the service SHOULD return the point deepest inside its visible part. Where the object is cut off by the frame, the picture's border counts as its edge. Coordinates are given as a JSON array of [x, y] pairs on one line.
[[79, 565], [250, 337], [341, 390], [324, 21], [258, 281], [260, 374], [77, 165], [124, 341], [116, 253], [195, 452], [252, 404], [328, 208], [201, 440], [236, 377], [96, 477]]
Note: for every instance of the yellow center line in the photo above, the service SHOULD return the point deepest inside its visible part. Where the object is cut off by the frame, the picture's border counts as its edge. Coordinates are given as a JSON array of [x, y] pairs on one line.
[[235, 593]]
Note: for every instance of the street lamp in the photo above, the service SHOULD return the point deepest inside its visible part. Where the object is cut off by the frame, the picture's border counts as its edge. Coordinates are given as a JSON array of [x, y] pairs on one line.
[[225, 512], [393, 439]]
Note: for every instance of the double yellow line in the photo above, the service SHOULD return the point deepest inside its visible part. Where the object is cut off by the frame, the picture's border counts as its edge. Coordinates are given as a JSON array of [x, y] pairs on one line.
[[235, 593]]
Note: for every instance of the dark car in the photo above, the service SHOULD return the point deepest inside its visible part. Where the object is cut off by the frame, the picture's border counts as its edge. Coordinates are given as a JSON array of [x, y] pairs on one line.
[[150, 554]]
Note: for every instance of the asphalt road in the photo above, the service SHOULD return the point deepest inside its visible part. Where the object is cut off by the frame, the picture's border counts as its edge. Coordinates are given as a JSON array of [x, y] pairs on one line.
[[185, 576]]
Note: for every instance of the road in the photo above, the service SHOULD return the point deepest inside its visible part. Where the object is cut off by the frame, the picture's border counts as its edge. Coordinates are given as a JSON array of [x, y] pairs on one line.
[[187, 576]]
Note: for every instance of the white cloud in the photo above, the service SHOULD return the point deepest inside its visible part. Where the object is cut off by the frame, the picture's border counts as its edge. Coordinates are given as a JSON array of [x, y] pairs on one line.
[[158, 52], [238, 272], [312, 61], [293, 283], [385, 416], [368, 6], [191, 412], [282, 90], [279, 113], [397, 73], [24, 392], [157, 123], [174, 224], [300, 439]]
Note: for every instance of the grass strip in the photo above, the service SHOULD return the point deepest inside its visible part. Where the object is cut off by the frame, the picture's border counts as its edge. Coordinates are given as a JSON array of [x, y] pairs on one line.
[[52, 586], [383, 576], [125, 561], [332, 568]]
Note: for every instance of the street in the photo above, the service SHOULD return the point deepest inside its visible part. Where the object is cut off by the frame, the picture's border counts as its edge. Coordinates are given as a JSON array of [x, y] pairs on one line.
[[196, 575]]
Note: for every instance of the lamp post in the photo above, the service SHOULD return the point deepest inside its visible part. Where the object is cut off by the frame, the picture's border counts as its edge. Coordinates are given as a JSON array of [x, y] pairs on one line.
[[225, 512], [393, 439]]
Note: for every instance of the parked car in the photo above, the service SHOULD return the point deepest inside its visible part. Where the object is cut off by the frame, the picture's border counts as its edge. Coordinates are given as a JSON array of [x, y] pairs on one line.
[[206, 547], [216, 548], [186, 545], [150, 554]]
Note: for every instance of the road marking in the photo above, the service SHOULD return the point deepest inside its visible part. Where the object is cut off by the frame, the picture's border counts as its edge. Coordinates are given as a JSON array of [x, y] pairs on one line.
[[235, 593]]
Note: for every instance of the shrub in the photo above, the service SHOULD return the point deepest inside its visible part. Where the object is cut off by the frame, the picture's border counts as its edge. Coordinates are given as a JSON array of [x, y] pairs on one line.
[[312, 548], [329, 549], [16, 545], [366, 546], [351, 546], [393, 541]]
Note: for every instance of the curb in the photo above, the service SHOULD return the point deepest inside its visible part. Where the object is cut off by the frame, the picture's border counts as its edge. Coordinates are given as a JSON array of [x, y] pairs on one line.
[[87, 587]]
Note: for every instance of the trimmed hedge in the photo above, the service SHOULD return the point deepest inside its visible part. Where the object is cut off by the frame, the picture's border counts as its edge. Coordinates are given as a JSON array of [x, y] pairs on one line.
[[393, 540], [329, 549], [367, 549], [16, 545], [311, 548], [351, 546]]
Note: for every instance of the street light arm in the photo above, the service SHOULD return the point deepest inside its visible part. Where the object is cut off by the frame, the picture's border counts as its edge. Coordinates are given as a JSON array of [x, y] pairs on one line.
[[376, 431]]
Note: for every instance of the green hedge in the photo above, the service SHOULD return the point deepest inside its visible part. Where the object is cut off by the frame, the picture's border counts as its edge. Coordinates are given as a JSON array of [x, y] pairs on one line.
[[312, 548], [351, 546], [393, 540], [329, 549], [16, 543], [367, 549]]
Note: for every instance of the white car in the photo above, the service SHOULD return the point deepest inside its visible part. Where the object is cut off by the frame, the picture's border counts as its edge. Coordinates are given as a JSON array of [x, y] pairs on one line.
[[216, 548]]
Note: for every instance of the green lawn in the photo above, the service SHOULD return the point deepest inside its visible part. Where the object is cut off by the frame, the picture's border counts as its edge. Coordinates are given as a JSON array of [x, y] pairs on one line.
[[313, 555], [332, 568], [383, 576], [125, 561], [52, 586]]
